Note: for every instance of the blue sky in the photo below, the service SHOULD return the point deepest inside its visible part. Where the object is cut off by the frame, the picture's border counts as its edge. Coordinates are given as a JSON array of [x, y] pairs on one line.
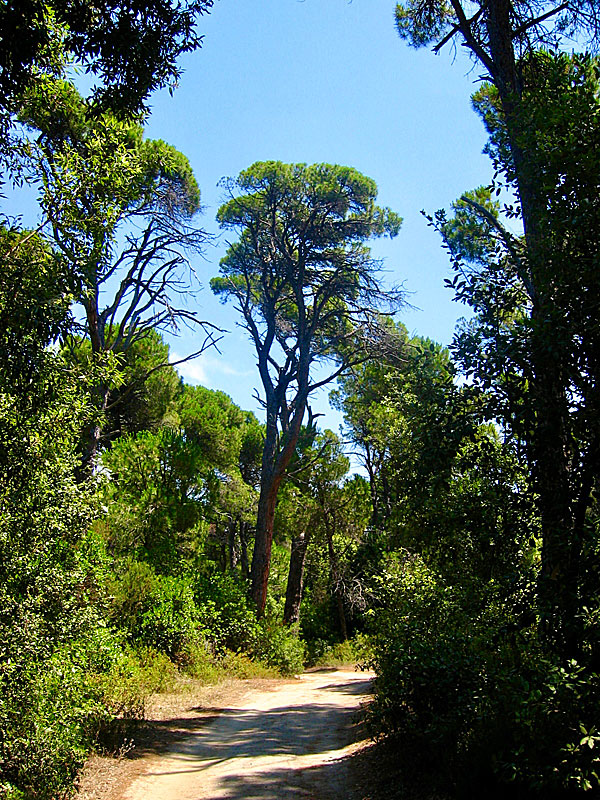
[[325, 81]]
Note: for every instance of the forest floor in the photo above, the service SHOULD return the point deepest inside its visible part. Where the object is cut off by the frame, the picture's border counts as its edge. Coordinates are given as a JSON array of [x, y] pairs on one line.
[[258, 739]]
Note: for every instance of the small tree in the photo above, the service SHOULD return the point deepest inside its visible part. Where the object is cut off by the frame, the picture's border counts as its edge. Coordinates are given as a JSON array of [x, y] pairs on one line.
[[307, 289]]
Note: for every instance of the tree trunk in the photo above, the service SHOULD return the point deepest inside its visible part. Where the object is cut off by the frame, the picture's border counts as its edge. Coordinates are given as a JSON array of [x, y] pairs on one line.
[[558, 583], [99, 394], [275, 461], [269, 486], [261, 559], [244, 550], [558, 601], [336, 582], [295, 581]]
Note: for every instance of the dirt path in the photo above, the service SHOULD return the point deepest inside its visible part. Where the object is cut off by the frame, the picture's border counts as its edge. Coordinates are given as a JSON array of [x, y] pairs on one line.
[[284, 741]]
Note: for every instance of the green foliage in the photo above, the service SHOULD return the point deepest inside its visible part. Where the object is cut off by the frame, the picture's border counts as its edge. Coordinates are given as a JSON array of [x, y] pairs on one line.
[[213, 423], [146, 398], [155, 492], [464, 683], [49, 716], [132, 54], [125, 684], [429, 669], [49, 568], [422, 22], [279, 646], [55, 709], [157, 611], [348, 195], [227, 617], [544, 726], [352, 652]]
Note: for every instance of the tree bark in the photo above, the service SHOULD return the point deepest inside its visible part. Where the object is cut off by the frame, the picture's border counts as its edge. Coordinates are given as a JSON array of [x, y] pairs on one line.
[[244, 549], [261, 559], [274, 465], [295, 581]]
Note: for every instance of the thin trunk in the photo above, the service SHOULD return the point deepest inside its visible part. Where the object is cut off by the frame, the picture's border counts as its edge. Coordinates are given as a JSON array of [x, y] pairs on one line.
[[232, 544], [99, 393], [336, 581], [295, 581], [372, 487], [244, 549]]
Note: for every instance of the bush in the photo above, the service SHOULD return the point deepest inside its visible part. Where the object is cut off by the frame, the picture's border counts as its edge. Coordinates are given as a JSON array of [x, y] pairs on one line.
[[467, 688], [156, 611], [357, 651], [228, 620], [279, 647], [429, 671], [51, 713], [544, 723], [136, 674]]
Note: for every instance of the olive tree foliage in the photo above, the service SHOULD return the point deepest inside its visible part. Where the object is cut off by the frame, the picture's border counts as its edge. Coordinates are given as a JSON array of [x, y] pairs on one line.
[[307, 290], [121, 211], [131, 45], [541, 113]]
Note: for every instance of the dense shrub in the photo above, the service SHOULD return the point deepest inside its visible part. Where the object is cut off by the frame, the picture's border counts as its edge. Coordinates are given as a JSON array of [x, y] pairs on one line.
[[52, 711], [279, 646], [429, 671], [158, 611], [544, 722], [355, 651], [464, 685], [228, 620]]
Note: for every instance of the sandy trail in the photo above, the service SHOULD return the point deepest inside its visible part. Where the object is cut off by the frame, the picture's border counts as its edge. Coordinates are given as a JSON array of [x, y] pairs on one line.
[[271, 745]]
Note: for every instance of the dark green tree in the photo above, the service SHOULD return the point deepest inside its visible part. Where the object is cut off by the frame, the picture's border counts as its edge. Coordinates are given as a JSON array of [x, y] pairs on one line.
[[131, 46], [541, 148], [538, 353]]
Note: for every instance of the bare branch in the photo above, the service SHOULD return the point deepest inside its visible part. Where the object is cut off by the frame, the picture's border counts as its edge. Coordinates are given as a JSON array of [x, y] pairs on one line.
[[456, 29]]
